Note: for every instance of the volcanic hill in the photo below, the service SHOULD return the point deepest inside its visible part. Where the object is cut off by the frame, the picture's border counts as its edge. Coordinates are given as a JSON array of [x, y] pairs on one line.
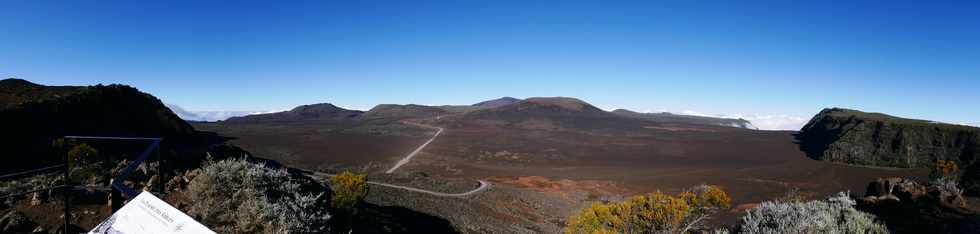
[[398, 112], [321, 111], [542, 113]]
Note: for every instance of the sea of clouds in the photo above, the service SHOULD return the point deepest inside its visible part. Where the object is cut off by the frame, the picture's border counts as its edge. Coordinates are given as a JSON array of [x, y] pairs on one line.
[[763, 122], [210, 115]]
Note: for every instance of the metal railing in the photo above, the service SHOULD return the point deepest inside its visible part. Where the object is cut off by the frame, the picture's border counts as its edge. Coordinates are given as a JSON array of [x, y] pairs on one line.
[[117, 184]]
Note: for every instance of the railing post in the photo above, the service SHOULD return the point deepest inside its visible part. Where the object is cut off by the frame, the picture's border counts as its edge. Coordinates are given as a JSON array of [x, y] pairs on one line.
[[160, 176], [65, 190], [115, 197]]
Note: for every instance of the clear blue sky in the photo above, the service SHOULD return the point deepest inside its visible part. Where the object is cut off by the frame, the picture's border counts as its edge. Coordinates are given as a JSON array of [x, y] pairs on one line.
[[914, 59]]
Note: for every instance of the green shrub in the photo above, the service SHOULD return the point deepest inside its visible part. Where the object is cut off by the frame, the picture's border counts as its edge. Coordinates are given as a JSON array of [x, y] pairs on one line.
[[835, 215], [236, 196], [349, 189], [652, 213]]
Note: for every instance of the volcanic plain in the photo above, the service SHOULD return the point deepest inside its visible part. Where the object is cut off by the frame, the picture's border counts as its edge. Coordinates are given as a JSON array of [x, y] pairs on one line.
[[545, 157]]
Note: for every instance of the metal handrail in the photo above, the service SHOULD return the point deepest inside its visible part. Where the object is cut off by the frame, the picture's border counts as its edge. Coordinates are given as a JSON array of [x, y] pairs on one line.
[[100, 188], [118, 181], [23, 173]]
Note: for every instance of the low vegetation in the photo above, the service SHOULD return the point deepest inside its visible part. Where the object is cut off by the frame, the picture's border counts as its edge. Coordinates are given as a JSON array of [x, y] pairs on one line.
[[945, 177], [834, 215], [652, 213], [349, 190], [237, 196]]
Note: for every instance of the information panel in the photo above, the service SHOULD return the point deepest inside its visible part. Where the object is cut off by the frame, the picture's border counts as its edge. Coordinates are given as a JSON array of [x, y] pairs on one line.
[[148, 214]]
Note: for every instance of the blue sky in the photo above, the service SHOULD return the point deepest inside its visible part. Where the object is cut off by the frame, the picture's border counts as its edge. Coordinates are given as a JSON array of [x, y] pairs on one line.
[[762, 59]]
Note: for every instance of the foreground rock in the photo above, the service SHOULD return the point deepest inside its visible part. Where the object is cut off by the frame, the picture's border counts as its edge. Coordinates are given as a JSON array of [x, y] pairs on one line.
[[907, 206], [15, 222]]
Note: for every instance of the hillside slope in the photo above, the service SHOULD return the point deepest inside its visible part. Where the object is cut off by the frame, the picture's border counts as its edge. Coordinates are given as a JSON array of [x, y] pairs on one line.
[[34, 115]]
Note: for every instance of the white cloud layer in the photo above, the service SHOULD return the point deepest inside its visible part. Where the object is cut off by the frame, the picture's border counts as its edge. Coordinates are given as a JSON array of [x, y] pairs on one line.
[[763, 122], [210, 115]]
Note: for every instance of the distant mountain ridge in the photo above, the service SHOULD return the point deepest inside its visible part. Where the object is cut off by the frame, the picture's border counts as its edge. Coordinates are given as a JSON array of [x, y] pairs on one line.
[[690, 119], [320, 111], [541, 110]]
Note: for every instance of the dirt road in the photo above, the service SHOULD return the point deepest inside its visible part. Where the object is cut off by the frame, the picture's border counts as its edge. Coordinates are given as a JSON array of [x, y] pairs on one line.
[[417, 150]]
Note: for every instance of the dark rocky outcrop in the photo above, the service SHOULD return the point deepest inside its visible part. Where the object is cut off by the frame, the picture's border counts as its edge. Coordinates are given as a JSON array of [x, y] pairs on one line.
[[15, 222], [907, 206], [854, 137]]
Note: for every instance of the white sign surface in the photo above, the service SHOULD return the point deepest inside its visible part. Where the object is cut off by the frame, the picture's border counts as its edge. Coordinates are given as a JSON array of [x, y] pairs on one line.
[[148, 214]]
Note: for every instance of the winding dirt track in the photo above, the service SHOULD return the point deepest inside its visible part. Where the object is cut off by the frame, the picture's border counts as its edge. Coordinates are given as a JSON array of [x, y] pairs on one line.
[[483, 186]]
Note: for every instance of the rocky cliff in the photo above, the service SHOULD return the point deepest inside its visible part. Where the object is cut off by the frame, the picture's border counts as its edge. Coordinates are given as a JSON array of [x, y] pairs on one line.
[[855, 137]]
